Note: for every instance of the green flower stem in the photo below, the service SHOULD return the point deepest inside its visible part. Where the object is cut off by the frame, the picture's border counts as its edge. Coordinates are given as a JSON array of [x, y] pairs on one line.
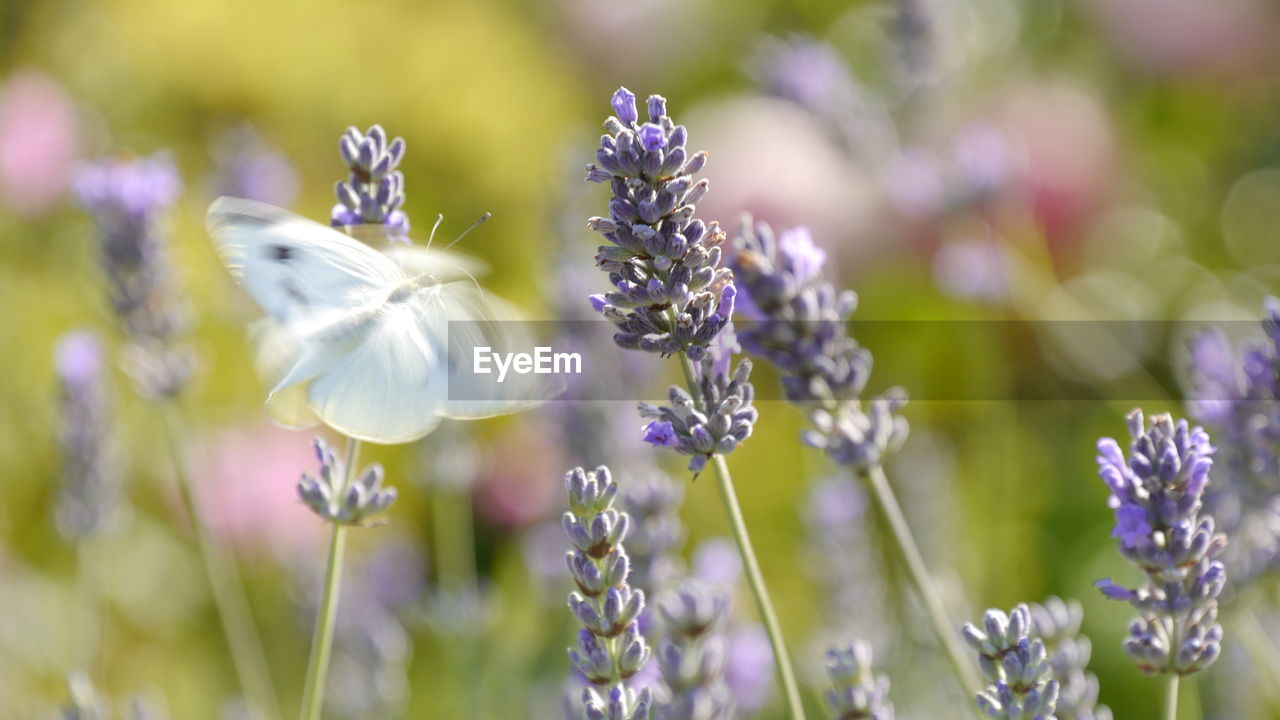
[[247, 654], [755, 579], [908, 554], [1171, 698], [322, 636]]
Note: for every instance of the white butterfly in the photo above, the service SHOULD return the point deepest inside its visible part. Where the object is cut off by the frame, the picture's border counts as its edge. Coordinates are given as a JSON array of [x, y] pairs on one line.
[[368, 343]]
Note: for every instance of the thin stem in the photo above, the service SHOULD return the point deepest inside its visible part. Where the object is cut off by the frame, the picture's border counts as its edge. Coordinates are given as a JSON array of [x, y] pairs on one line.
[[904, 546], [247, 654], [322, 636], [1171, 698], [755, 579]]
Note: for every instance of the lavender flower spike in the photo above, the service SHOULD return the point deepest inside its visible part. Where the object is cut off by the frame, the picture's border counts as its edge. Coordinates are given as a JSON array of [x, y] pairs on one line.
[[717, 421], [1022, 685], [693, 653], [670, 295], [374, 192], [1057, 624], [1156, 492], [798, 322], [1238, 395], [355, 504], [610, 648], [856, 691], [89, 492], [127, 200]]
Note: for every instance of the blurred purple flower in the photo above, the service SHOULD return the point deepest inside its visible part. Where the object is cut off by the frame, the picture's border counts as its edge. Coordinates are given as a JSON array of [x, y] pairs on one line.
[[245, 166], [88, 491], [1239, 395], [127, 200], [837, 505], [916, 185], [716, 561], [982, 158], [127, 191], [804, 71], [975, 269], [542, 548], [77, 357], [38, 142], [748, 669], [798, 256]]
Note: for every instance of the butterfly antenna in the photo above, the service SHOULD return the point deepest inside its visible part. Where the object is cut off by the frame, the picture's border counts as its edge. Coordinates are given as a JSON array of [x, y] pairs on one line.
[[432, 236], [474, 225]]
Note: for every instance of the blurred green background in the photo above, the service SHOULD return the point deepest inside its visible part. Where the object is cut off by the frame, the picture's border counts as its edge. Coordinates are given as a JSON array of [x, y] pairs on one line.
[[1107, 159]]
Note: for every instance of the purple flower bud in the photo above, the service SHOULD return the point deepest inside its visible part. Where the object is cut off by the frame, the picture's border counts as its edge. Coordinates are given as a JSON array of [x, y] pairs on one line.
[[624, 106], [657, 107]]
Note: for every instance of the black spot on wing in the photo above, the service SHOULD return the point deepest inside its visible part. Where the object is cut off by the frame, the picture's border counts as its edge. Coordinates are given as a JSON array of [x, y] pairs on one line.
[[283, 253]]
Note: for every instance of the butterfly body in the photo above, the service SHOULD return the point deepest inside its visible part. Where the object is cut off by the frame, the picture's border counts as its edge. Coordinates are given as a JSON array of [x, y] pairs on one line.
[[355, 338]]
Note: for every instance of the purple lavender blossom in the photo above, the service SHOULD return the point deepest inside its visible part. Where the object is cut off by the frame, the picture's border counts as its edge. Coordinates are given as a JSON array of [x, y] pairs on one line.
[[357, 504], [660, 433], [1016, 662], [610, 648], [715, 422], [1057, 624], [127, 199], [1239, 396], [1159, 487], [799, 319], [669, 290], [374, 192], [88, 494]]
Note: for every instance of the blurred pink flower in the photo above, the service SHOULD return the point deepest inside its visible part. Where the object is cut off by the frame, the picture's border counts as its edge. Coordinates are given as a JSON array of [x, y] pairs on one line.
[[638, 40], [777, 161], [245, 483], [1190, 37], [1064, 140], [38, 142], [521, 482]]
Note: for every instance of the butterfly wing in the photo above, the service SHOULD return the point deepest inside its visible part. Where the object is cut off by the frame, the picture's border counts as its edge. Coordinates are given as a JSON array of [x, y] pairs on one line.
[[389, 387], [294, 268], [468, 318]]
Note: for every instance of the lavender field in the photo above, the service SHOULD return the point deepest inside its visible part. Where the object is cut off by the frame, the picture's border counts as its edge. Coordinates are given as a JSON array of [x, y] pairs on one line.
[[712, 360]]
